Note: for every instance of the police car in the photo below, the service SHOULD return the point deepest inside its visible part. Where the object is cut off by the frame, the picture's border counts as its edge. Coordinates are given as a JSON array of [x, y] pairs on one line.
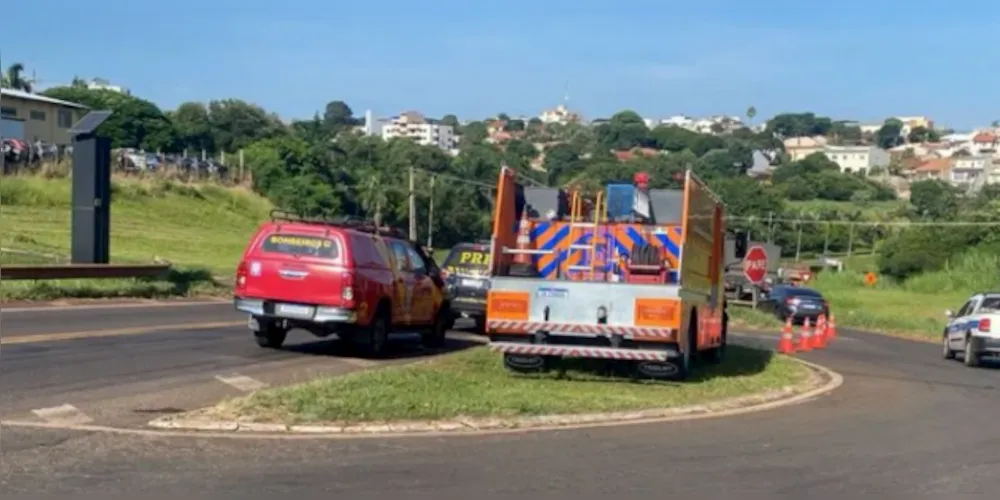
[[465, 271], [974, 330]]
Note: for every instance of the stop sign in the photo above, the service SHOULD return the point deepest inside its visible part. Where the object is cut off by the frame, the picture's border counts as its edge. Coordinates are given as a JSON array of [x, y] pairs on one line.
[[755, 264]]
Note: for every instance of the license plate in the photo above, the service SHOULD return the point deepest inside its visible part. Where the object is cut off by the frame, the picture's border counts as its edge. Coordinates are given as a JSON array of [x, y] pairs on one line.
[[293, 310], [472, 283]]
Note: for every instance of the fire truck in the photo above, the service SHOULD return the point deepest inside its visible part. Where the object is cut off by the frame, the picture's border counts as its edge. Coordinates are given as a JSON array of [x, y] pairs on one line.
[[627, 274]]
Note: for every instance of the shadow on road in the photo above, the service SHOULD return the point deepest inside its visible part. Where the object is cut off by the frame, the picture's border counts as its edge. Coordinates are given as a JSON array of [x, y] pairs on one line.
[[407, 347]]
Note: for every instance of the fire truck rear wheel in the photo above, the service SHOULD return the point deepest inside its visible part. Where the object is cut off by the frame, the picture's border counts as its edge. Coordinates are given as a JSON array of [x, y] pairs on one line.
[[519, 363]]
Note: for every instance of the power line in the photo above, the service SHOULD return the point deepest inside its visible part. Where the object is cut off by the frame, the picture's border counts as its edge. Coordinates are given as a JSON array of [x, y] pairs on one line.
[[842, 222]]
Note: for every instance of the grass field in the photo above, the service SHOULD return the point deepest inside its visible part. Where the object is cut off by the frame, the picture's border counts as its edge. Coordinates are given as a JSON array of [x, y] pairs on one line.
[[200, 228], [473, 383]]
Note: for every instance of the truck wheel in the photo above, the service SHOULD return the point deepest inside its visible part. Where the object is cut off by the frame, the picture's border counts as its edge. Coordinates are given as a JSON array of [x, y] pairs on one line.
[[373, 341], [686, 360], [947, 351], [271, 335], [970, 357], [435, 337], [518, 363]]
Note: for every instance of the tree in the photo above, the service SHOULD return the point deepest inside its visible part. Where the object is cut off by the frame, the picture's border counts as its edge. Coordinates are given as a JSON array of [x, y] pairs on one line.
[[194, 127], [625, 130], [923, 134], [934, 199], [337, 115], [13, 78], [135, 123], [890, 134], [844, 133], [798, 125], [751, 113], [237, 123], [451, 121], [561, 161]]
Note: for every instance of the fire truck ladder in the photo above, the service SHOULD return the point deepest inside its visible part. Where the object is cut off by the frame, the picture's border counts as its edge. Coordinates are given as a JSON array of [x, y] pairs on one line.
[[578, 229]]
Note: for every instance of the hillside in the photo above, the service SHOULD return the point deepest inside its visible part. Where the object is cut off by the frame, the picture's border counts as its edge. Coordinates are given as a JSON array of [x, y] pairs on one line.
[[201, 229]]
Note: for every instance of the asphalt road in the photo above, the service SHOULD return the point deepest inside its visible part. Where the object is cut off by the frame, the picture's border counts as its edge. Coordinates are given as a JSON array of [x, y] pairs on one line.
[[126, 366], [905, 422]]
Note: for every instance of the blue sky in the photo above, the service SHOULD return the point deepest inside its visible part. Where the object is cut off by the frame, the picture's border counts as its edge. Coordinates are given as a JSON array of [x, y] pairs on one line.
[[852, 59]]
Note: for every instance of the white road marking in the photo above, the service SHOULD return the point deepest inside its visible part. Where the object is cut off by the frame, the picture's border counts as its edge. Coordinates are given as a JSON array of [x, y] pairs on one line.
[[242, 382], [64, 414]]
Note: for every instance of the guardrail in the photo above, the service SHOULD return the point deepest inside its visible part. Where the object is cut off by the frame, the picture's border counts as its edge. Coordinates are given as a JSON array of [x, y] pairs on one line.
[[82, 271]]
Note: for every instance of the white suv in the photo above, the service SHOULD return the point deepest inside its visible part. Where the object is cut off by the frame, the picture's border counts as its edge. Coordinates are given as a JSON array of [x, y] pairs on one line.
[[974, 329]]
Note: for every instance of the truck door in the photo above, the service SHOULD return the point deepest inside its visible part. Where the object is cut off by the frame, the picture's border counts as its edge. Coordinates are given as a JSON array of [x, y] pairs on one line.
[[402, 300]]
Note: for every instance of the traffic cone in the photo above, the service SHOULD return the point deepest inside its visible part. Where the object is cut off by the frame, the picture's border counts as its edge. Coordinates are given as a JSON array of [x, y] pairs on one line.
[[819, 336], [805, 338], [831, 329], [785, 344], [523, 240]]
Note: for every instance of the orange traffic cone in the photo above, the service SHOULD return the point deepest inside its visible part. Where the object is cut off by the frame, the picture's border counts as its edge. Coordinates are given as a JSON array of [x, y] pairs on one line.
[[805, 338], [819, 336], [523, 240], [831, 329], [785, 344]]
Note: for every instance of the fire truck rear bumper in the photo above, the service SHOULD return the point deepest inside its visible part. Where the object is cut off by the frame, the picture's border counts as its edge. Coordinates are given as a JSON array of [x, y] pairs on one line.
[[575, 351]]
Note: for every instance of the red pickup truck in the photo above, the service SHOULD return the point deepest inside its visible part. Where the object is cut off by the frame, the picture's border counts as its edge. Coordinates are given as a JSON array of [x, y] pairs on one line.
[[345, 277]]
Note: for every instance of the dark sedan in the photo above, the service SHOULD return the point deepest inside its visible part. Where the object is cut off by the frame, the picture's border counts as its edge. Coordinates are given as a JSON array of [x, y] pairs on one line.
[[797, 303]]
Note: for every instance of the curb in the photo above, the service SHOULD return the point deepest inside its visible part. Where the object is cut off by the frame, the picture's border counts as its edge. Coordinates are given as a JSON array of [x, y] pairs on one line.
[[821, 381]]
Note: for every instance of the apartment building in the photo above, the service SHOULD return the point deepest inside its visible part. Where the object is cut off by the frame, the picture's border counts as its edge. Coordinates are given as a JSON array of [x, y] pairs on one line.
[[412, 125], [970, 172], [861, 159], [561, 114]]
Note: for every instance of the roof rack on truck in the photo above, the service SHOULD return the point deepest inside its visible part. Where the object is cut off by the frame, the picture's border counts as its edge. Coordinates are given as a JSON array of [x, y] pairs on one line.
[[348, 222], [625, 273]]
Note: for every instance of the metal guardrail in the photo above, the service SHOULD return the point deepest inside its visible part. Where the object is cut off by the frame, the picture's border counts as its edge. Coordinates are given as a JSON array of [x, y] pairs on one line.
[[82, 271]]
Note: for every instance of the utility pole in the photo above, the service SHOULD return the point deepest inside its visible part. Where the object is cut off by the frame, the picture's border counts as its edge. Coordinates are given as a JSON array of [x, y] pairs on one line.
[[413, 208], [430, 217], [798, 246], [850, 242], [770, 227]]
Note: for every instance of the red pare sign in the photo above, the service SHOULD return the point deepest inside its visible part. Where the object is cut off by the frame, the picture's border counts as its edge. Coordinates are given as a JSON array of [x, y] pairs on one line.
[[755, 265]]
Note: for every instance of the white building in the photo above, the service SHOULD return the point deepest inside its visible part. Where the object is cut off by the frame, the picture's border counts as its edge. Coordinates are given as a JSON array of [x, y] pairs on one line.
[[102, 84], [413, 125], [561, 114], [971, 172], [857, 158]]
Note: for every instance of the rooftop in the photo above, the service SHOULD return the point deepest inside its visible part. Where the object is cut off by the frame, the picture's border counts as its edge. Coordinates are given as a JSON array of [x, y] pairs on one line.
[[27, 96]]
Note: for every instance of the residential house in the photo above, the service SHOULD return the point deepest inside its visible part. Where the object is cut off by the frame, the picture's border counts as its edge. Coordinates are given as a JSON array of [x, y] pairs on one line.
[[33, 117], [912, 122], [970, 172], [938, 169], [858, 158], [413, 125], [800, 147], [985, 143]]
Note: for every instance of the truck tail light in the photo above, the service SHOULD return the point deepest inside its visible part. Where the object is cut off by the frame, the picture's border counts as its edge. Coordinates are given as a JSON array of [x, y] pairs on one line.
[[347, 289], [984, 325], [241, 275]]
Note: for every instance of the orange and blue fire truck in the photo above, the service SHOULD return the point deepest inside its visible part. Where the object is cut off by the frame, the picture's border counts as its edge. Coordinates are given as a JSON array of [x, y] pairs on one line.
[[627, 274]]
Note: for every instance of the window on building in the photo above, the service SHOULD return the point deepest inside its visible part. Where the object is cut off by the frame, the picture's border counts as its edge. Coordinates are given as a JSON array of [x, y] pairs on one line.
[[37, 115], [8, 112], [65, 118]]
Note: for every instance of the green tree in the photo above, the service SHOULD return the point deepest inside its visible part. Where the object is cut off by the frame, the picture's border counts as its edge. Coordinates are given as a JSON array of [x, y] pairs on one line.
[[625, 130], [890, 134], [193, 126], [14, 78], [134, 123], [923, 134], [337, 115], [798, 125], [934, 199], [451, 121], [236, 124]]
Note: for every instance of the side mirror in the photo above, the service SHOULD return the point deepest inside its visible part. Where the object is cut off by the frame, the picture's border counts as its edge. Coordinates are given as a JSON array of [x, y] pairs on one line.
[[949, 313]]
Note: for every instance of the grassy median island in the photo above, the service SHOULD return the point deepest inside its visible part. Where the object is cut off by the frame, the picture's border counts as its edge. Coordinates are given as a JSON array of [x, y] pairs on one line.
[[200, 228], [473, 383], [914, 308]]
